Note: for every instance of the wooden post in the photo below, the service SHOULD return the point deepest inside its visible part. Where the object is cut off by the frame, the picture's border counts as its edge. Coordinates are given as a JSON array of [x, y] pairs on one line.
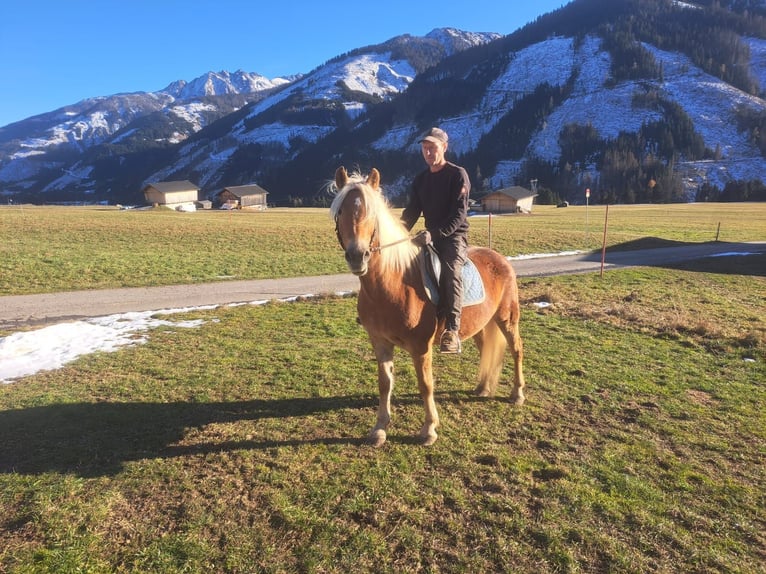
[[718, 231], [603, 242], [489, 229]]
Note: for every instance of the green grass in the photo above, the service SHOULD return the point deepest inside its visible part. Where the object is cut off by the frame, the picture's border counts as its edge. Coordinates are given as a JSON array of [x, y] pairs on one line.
[[49, 249], [238, 446]]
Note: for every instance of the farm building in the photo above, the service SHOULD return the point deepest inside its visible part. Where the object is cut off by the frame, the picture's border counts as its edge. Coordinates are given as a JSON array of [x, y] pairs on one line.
[[172, 193], [245, 196], [514, 199]]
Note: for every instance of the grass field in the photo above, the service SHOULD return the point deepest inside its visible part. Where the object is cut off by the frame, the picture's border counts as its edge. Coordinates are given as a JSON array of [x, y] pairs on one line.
[[238, 446], [49, 249]]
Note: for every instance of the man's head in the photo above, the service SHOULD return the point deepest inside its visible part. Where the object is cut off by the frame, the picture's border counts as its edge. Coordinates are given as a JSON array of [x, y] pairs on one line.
[[433, 145]]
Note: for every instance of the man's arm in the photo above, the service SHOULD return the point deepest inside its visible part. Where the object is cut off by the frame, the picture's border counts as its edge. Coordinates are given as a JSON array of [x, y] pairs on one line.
[[459, 210], [412, 211]]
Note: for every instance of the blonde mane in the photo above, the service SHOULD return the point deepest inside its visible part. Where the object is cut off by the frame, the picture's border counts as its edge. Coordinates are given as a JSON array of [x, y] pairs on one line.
[[395, 256]]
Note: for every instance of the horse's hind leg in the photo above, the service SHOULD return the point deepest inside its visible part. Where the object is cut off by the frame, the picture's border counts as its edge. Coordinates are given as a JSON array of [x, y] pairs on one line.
[[384, 352], [510, 329], [491, 345]]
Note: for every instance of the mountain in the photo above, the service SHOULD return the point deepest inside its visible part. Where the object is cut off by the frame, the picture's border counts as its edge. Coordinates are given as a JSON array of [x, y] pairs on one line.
[[106, 148], [221, 83], [638, 100]]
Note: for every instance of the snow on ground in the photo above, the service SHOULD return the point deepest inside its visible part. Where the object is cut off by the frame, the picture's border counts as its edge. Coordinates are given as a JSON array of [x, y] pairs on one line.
[[193, 113], [28, 352], [281, 133], [711, 104], [71, 177], [757, 59], [608, 110], [377, 74]]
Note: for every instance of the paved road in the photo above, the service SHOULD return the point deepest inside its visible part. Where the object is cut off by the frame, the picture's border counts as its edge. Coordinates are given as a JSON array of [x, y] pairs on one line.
[[20, 310]]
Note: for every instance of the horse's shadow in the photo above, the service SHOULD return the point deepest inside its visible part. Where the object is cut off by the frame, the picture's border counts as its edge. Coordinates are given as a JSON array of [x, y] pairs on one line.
[[97, 439]]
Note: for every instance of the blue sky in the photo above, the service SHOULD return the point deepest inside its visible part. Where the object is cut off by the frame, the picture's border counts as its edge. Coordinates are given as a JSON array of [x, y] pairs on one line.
[[56, 52]]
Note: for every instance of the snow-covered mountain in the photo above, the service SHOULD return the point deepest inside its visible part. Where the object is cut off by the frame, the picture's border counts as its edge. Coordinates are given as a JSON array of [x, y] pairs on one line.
[[56, 155], [505, 101], [219, 83], [710, 103], [276, 129], [309, 111], [45, 153]]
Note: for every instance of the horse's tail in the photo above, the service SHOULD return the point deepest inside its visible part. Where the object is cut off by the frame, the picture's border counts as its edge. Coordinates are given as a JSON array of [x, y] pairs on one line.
[[493, 344]]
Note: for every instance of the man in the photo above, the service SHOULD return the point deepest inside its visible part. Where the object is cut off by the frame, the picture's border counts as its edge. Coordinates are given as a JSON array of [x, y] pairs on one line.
[[440, 194]]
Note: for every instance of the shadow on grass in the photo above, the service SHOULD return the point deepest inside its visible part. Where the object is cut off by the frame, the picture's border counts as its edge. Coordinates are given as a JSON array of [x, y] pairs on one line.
[[97, 439], [93, 439], [752, 265], [647, 243], [731, 258]]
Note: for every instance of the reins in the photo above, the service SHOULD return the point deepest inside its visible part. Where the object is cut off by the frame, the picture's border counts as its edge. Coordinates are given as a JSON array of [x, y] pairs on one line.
[[397, 242]]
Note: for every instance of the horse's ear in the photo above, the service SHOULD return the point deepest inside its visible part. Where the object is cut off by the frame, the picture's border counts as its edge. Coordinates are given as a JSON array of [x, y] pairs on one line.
[[341, 177], [373, 180]]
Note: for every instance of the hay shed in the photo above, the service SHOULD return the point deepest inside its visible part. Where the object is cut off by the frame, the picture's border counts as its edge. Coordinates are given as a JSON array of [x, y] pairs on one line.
[[250, 196], [171, 193], [514, 199]]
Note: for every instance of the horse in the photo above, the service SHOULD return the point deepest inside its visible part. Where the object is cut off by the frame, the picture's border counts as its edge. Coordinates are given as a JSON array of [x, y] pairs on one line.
[[393, 307]]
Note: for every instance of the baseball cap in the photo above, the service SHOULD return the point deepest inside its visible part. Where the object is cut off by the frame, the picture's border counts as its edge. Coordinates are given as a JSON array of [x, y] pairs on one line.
[[435, 135]]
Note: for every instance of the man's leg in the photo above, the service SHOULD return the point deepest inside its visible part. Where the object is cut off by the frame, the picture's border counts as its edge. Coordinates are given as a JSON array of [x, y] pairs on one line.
[[453, 254]]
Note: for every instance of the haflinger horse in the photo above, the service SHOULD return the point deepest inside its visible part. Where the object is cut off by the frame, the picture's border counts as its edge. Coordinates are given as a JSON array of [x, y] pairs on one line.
[[394, 309]]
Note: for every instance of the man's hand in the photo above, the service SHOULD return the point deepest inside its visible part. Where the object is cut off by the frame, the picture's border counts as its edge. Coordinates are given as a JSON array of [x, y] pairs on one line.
[[422, 238]]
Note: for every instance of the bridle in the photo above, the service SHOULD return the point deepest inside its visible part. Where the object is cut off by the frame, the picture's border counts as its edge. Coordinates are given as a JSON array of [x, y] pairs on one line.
[[373, 249]]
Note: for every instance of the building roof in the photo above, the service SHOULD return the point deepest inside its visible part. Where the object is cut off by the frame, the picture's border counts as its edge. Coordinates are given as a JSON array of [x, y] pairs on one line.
[[245, 190], [171, 186], [516, 192]]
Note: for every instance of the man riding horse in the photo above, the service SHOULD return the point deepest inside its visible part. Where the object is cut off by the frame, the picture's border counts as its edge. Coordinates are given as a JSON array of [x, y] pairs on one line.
[[440, 194]]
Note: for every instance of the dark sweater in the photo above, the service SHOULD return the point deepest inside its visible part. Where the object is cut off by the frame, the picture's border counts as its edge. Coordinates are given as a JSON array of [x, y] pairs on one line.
[[442, 199]]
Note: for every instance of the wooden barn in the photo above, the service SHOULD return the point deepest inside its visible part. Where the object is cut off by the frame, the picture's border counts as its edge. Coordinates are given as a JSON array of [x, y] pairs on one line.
[[244, 196], [514, 199], [171, 193]]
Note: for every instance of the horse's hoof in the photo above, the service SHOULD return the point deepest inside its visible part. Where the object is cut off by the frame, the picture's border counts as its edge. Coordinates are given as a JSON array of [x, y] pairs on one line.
[[377, 438], [517, 399], [483, 392], [429, 439]]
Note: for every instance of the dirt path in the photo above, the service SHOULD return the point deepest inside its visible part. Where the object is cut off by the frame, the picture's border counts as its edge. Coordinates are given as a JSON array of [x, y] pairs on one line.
[[23, 310]]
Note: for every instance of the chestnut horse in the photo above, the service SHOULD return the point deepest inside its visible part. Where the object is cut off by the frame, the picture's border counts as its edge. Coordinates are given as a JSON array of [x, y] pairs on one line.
[[394, 310]]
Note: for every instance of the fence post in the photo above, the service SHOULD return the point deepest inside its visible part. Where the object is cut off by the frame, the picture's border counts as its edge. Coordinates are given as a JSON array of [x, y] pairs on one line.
[[489, 229], [603, 242]]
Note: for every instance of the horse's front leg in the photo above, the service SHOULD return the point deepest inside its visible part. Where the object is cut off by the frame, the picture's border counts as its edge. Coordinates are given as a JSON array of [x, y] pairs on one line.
[[424, 373], [384, 353]]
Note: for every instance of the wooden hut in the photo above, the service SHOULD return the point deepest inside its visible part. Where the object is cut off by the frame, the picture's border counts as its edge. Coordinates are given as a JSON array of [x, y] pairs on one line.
[[171, 193], [514, 199], [250, 196]]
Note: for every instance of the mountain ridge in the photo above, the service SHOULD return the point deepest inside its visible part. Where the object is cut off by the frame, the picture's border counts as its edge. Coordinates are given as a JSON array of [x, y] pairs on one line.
[[574, 99]]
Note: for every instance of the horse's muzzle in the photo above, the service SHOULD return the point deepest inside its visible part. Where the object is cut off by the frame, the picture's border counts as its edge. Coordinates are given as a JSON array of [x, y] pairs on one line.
[[357, 259]]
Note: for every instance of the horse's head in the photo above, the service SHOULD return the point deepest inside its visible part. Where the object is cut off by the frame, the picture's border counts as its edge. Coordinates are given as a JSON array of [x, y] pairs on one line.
[[355, 222]]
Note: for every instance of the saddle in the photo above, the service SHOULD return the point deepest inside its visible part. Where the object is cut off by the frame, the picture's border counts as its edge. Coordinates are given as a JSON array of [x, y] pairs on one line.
[[431, 268]]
